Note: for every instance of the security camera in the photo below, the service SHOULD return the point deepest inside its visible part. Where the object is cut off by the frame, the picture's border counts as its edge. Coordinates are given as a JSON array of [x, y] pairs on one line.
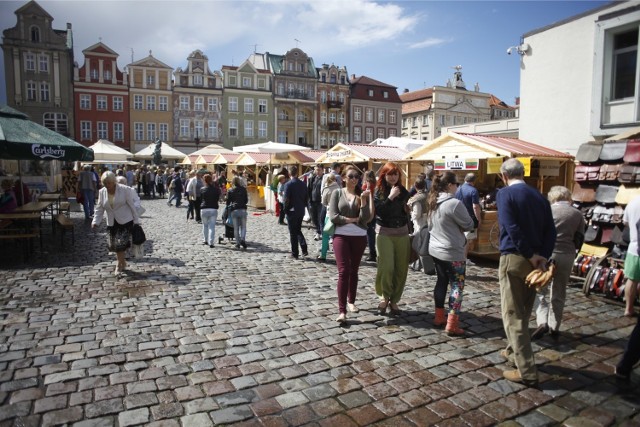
[[511, 49]]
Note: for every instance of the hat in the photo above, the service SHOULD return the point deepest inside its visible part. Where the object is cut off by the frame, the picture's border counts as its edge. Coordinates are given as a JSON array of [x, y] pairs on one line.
[[202, 171]]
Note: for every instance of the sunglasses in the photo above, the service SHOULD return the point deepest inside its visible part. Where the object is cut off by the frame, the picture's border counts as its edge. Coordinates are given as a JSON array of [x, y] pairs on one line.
[[353, 176]]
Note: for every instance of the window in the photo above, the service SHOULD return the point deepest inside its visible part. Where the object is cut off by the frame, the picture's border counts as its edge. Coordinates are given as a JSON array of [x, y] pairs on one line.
[[368, 137], [442, 120], [280, 89], [213, 129], [625, 62], [137, 102], [283, 115], [246, 82], [248, 105], [107, 75], [357, 136], [414, 121], [381, 116], [233, 104], [392, 117], [392, 132], [198, 103], [404, 122], [44, 91], [370, 92], [151, 131], [184, 128], [248, 128], [283, 137], [323, 96], [198, 129], [323, 140], [342, 119], [233, 127], [93, 74], [369, 114], [118, 131], [138, 131], [85, 130], [163, 102], [333, 78], [117, 103], [213, 104], [85, 102], [323, 118], [332, 140], [385, 94], [302, 116], [43, 63], [198, 80], [151, 104], [332, 117], [184, 102], [380, 132], [163, 130], [232, 80], [342, 138], [101, 102], [333, 95], [425, 120], [262, 129], [103, 131], [57, 122], [29, 62], [261, 84], [357, 114], [262, 106], [151, 80], [35, 34], [341, 97]]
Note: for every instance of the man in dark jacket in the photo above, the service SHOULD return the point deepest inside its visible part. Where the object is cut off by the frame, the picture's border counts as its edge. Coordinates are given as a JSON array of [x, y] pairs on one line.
[[315, 201], [295, 202], [527, 238], [178, 188]]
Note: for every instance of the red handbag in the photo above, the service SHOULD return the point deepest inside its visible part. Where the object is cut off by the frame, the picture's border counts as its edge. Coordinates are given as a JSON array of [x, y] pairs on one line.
[[79, 197]]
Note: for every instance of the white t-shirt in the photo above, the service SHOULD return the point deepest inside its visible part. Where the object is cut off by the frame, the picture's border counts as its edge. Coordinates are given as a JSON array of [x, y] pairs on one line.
[[632, 217]]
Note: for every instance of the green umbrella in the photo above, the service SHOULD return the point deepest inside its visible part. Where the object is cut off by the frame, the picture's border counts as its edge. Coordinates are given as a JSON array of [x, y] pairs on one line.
[[23, 139]]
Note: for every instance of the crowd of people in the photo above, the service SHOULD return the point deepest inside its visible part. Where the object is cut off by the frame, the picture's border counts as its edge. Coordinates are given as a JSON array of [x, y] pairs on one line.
[[352, 210]]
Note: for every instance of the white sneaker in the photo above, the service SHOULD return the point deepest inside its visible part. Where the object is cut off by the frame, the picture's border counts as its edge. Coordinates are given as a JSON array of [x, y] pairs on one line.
[[470, 263], [317, 237]]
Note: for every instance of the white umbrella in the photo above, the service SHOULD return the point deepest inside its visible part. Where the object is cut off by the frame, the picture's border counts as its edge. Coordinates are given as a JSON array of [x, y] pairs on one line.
[[104, 150], [167, 151], [269, 147]]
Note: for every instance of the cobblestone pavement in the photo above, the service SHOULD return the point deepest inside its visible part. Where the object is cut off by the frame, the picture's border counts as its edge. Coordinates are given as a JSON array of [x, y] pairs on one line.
[[194, 336]]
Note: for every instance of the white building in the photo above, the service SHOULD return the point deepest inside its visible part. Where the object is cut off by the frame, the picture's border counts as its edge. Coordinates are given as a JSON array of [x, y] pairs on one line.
[[580, 78]]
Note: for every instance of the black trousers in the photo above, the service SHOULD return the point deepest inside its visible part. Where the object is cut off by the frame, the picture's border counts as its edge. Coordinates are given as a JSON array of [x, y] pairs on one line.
[[294, 223]]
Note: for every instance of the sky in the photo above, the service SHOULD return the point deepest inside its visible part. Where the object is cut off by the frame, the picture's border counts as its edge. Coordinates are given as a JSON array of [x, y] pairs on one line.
[[408, 44]]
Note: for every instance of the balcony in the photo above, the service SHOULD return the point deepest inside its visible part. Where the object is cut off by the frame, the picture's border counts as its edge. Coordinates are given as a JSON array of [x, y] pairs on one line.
[[334, 104], [334, 126], [296, 94]]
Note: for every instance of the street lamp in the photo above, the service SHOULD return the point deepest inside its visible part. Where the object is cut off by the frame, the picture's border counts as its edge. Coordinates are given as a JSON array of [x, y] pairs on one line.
[[197, 140]]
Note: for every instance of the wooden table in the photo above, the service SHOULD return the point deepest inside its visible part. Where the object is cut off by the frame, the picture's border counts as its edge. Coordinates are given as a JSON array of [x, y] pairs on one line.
[[55, 198], [21, 226], [40, 207]]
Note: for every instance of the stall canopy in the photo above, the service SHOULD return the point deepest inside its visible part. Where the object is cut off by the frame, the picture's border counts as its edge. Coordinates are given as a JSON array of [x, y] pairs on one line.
[[167, 151], [307, 157], [269, 147], [225, 158], [252, 159], [23, 139], [107, 152], [471, 146], [407, 144], [204, 160], [212, 149], [361, 153], [189, 160]]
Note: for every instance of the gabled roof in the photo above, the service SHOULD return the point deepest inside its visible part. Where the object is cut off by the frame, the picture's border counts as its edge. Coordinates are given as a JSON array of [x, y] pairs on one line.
[[307, 156], [224, 158], [357, 153], [496, 102], [364, 80], [275, 63], [100, 48], [250, 159], [150, 61], [33, 8], [467, 145], [417, 95], [417, 106]]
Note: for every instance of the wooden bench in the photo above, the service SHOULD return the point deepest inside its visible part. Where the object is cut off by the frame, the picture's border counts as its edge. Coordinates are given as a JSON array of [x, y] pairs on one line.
[[64, 207], [20, 236], [65, 223]]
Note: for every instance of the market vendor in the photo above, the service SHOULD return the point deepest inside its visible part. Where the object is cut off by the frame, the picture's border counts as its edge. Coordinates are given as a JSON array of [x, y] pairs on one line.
[[470, 198]]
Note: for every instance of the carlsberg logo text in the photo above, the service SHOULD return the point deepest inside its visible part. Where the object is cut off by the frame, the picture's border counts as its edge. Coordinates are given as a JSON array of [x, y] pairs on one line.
[[47, 152]]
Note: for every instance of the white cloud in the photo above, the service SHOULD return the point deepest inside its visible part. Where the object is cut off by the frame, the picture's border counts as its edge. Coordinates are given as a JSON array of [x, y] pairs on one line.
[[431, 41]]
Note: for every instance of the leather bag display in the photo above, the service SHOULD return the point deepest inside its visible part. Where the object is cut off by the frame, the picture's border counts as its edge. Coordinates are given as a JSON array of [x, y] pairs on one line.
[[606, 194], [613, 151], [592, 234], [586, 173], [602, 214], [609, 173], [583, 193], [628, 173], [626, 194], [632, 152], [589, 153], [607, 233]]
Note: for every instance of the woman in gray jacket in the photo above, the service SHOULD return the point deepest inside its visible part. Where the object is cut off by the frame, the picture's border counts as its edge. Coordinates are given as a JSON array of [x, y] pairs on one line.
[[448, 220], [350, 209]]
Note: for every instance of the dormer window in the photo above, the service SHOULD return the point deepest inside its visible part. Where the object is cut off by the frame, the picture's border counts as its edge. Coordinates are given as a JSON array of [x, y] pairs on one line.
[[94, 74], [35, 34], [151, 80], [371, 92], [333, 78], [197, 80]]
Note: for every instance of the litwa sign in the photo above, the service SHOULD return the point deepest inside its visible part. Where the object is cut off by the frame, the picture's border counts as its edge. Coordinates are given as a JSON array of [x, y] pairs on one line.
[[45, 152]]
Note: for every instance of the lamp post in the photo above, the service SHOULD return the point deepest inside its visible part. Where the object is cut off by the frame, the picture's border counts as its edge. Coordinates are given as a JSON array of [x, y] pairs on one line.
[[197, 140]]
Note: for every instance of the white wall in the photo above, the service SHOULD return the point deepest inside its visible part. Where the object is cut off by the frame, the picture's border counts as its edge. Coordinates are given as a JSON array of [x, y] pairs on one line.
[[556, 79]]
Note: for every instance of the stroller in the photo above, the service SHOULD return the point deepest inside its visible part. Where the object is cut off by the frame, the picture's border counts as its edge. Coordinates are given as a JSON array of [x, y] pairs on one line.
[[228, 229]]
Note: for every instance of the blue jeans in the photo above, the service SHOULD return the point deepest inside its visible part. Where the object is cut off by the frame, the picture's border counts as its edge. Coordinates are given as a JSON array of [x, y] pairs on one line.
[[177, 196], [89, 201], [239, 218], [209, 217]]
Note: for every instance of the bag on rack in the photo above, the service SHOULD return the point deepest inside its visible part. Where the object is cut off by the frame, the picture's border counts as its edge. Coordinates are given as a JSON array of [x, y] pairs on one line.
[[592, 233], [589, 152], [607, 233], [613, 151], [586, 173], [628, 174], [618, 213], [606, 194], [632, 153], [583, 193], [609, 172], [626, 194]]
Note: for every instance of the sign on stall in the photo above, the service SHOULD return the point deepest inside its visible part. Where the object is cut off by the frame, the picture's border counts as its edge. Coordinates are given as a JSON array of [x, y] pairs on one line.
[[338, 154], [456, 164], [493, 164], [549, 168], [526, 161]]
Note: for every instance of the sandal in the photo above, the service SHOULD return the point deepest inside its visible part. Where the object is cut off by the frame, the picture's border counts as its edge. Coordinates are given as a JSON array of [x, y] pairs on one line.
[[394, 310], [382, 307]]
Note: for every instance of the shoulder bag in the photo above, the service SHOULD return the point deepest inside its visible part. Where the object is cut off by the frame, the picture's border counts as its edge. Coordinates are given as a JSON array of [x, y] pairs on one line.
[[589, 152], [329, 227], [613, 151]]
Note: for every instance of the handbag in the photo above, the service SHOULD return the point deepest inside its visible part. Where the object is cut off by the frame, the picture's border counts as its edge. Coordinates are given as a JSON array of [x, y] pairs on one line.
[[585, 173], [606, 194], [118, 241], [632, 153], [626, 194], [329, 227], [137, 235], [79, 197], [229, 221], [582, 193], [589, 152], [613, 151]]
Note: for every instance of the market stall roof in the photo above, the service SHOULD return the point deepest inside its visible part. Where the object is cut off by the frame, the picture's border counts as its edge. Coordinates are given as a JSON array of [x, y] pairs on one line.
[[224, 158], [407, 144], [205, 159], [105, 151], [357, 153], [167, 152], [251, 159], [309, 156], [213, 149], [189, 159], [472, 146]]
